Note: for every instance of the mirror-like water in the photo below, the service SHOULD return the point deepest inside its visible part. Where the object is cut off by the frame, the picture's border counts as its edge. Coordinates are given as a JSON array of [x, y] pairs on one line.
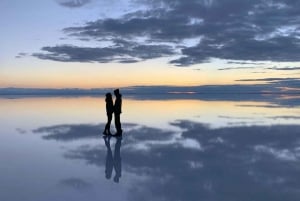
[[53, 149]]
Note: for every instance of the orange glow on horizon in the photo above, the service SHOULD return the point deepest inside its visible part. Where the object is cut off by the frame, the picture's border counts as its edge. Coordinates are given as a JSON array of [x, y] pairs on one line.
[[148, 73]]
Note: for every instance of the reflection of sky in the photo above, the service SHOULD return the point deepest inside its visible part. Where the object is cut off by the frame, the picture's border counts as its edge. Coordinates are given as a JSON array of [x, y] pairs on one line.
[[155, 113], [53, 147]]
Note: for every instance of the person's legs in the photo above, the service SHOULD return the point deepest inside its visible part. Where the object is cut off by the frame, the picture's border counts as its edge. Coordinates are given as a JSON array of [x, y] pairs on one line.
[[107, 126], [118, 123], [105, 129], [109, 118]]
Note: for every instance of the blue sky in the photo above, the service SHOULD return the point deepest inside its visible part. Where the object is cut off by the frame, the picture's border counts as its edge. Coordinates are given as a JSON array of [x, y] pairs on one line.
[[98, 43]]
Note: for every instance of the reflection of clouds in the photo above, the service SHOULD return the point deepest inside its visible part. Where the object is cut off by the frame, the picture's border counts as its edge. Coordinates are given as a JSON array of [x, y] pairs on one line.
[[285, 117], [234, 163], [21, 131], [283, 154], [73, 132], [73, 3], [69, 132], [144, 138], [75, 183]]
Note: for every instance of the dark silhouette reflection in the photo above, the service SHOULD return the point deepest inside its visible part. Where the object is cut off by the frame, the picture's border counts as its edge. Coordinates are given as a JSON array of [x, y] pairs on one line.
[[109, 112], [118, 111], [109, 158], [118, 160], [113, 161]]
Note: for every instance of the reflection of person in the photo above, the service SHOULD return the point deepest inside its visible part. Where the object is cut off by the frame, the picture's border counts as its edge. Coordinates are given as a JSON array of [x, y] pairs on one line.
[[109, 112], [118, 111], [109, 159], [113, 161], [118, 160]]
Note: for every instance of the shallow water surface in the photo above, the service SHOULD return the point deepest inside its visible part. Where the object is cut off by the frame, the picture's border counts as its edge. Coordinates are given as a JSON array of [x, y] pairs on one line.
[[53, 149]]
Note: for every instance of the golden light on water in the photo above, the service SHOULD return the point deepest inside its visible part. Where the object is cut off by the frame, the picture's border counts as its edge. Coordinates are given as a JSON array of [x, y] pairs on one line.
[[145, 112]]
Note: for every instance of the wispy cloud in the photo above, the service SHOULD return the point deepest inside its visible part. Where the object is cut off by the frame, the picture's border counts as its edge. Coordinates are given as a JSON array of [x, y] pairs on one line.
[[236, 68], [284, 68], [73, 3]]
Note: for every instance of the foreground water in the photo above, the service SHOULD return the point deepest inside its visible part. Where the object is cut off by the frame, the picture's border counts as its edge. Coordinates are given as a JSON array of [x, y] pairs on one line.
[[53, 149]]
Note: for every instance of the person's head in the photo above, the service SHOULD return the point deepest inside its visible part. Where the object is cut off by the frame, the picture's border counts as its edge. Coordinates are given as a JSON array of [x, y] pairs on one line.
[[108, 96], [117, 92]]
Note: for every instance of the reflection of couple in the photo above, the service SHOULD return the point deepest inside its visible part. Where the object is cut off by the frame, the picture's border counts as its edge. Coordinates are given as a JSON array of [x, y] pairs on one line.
[[113, 161], [113, 108]]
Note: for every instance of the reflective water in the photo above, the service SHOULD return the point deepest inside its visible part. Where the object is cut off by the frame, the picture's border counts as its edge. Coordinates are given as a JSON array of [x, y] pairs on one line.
[[53, 149]]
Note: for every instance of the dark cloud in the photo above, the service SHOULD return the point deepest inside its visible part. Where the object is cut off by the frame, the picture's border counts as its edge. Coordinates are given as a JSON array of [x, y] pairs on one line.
[[275, 49], [284, 68], [129, 53], [234, 163], [281, 80], [251, 30], [73, 3]]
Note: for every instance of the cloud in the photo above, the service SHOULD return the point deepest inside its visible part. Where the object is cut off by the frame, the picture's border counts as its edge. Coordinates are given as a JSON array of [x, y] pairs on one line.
[[257, 30], [73, 3], [281, 80], [257, 162], [123, 53], [285, 117], [284, 68], [236, 68], [21, 55], [245, 63]]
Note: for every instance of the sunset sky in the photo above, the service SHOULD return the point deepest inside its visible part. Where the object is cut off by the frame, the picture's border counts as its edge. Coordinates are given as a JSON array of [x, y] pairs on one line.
[[117, 43]]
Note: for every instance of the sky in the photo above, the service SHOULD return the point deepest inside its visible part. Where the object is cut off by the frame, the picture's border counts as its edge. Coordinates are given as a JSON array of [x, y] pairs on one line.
[[118, 43]]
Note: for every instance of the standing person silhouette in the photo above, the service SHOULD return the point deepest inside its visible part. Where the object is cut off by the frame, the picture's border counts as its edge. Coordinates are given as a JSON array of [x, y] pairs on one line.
[[109, 112], [118, 111]]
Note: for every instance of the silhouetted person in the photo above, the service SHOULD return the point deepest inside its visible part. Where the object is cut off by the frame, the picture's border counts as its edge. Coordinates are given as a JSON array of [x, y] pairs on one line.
[[109, 164], [118, 160], [118, 111], [109, 112]]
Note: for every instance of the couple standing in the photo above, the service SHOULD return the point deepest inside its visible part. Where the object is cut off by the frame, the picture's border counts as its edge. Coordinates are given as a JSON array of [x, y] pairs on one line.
[[116, 109]]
